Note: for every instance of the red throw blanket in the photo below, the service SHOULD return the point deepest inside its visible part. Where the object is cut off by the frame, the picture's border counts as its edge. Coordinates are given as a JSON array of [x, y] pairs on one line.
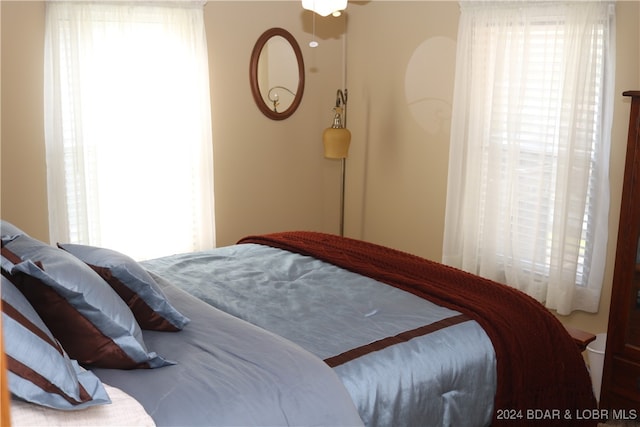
[[542, 378]]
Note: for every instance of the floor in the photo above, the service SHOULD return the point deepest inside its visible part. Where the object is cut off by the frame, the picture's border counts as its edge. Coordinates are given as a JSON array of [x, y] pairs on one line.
[[620, 424]]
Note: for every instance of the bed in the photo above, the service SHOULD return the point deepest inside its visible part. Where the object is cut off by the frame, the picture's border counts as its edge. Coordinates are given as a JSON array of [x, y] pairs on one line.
[[305, 328]]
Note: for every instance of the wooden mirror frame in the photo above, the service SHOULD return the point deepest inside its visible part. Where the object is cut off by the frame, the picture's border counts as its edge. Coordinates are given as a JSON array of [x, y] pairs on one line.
[[253, 73]]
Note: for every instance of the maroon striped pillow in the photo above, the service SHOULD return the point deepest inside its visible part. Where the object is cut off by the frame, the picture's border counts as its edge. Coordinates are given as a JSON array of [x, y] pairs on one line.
[[39, 369]]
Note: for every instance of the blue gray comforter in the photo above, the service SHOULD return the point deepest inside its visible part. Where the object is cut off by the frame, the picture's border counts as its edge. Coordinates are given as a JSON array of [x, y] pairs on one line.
[[232, 373], [442, 376]]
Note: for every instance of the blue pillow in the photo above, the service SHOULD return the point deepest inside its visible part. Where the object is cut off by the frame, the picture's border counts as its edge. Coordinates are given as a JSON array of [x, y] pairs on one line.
[[91, 322], [9, 231], [135, 286], [39, 370]]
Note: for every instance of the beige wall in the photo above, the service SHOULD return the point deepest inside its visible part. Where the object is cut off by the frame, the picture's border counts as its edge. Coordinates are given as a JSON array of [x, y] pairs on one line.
[[270, 175], [397, 169], [23, 184]]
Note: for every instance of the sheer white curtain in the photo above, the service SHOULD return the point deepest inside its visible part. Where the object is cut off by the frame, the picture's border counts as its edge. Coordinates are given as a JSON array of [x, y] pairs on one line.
[[528, 189], [128, 126]]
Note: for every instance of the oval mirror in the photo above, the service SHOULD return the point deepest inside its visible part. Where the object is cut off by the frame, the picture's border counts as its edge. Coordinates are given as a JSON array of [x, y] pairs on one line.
[[276, 74]]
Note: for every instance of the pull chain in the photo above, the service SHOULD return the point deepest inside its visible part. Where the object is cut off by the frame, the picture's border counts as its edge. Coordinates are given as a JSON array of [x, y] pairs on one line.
[[313, 42]]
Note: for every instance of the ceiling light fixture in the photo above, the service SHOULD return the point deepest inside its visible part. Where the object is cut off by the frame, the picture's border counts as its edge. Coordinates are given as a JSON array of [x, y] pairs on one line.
[[325, 7]]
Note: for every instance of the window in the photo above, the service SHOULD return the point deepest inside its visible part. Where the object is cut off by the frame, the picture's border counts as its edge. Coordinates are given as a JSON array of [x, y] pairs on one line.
[[128, 126], [528, 200]]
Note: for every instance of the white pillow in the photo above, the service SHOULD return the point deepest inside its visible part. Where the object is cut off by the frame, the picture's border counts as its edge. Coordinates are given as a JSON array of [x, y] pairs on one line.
[[123, 411]]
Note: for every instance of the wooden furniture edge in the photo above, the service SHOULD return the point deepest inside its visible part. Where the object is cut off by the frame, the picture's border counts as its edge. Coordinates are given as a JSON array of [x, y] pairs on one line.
[[580, 337], [5, 419]]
